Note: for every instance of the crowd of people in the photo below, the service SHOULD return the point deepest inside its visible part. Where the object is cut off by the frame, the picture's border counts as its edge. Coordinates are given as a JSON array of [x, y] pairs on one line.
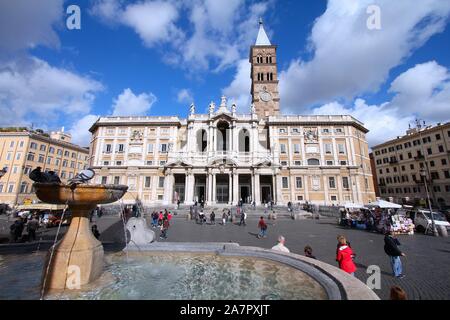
[[161, 220], [30, 224]]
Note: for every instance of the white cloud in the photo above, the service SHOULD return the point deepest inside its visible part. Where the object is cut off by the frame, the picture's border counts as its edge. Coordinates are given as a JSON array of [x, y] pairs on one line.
[[349, 59], [33, 91], [185, 96], [422, 91], [108, 11], [239, 90], [128, 104], [217, 35], [25, 24], [154, 21], [384, 122], [80, 130]]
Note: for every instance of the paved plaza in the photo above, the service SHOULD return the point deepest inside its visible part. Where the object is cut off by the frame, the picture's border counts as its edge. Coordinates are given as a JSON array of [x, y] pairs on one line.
[[426, 265]]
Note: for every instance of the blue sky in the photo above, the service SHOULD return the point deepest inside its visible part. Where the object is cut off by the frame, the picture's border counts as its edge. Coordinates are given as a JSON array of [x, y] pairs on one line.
[[154, 57]]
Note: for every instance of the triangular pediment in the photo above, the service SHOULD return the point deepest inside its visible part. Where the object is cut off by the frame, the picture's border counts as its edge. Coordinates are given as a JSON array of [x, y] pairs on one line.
[[223, 115]]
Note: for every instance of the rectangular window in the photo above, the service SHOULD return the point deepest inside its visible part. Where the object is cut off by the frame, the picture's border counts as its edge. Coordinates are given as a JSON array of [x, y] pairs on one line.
[[328, 148], [296, 148], [282, 130], [149, 162], [161, 182], [343, 163], [333, 198], [51, 150], [325, 130], [57, 162], [162, 163], [41, 158], [33, 145], [299, 198], [147, 182], [150, 148], [284, 163], [64, 164], [72, 164], [63, 175], [116, 180], [43, 147], [108, 148], [298, 182], [297, 163], [59, 152], [105, 163], [120, 148], [329, 162], [285, 182], [332, 182], [11, 188], [118, 163], [11, 145], [345, 183], [49, 160], [341, 148], [9, 156], [338, 130], [282, 148], [441, 148], [104, 180], [163, 148]]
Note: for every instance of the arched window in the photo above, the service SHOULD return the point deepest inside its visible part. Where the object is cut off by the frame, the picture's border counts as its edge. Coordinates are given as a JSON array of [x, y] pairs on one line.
[[202, 140], [313, 162], [223, 136], [244, 141]]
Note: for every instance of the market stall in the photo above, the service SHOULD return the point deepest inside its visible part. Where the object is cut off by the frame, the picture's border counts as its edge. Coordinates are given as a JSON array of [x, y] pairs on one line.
[[388, 217]]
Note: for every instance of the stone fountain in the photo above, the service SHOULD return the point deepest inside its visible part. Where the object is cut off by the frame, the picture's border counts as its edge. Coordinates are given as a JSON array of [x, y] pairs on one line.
[[78, 251]]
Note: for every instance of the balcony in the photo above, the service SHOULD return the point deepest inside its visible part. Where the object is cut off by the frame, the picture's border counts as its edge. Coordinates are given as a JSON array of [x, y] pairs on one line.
[[420, 157], [393, 161]]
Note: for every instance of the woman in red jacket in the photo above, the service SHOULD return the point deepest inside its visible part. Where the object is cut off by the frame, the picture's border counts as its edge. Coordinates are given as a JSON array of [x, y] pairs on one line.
[[345, 256]]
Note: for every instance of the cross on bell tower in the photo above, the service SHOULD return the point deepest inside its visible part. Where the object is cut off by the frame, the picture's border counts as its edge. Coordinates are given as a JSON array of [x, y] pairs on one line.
[[264, 75]]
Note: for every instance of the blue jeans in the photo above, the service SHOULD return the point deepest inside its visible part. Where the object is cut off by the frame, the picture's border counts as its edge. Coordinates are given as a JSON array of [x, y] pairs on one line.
[[396, 265], [262, 233]]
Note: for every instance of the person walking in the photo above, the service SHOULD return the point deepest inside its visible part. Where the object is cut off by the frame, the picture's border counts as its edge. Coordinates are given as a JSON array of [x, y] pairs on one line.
[[212, 218], [154, 219], [265, 208], [391, 249], [224, 218], [262, 228], [164, 228], [32, 226], [280, 246], [95, 231], [308, 252], [160, 218], [345, 256], [16, 230], [243, 218]]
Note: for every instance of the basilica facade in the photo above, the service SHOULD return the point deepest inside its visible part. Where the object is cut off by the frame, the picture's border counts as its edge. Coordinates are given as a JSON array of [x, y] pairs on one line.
[[224, 157]]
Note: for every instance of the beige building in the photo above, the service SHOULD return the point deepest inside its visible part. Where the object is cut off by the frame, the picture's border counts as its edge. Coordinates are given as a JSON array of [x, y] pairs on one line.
[[399, 163], [22, 150], [223, 156]]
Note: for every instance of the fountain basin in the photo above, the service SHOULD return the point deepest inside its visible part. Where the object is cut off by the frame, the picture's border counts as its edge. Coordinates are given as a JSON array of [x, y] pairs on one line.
[[89, 195], [77, 259]]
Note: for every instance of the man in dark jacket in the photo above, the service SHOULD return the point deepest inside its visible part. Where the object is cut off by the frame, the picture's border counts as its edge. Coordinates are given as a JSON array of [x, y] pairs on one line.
[[391, 248]]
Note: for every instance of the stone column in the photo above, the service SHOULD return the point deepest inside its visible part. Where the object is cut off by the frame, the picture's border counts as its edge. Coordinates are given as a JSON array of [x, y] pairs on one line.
[[279, 187], [189, 188], [230, 189], [325, 188], [168, 188], [235, 188], [213, 188], [257, 189]]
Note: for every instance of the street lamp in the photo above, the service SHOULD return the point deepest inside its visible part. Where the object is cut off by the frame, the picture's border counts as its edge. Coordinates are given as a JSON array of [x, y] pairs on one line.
[[423, 173]]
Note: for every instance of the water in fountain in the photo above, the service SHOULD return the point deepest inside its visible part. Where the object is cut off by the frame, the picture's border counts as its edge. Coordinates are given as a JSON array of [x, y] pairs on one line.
[[52, 251], [122, 215]]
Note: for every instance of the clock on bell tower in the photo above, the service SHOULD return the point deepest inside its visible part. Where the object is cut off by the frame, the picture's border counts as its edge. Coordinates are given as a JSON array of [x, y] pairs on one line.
[[263, 59]]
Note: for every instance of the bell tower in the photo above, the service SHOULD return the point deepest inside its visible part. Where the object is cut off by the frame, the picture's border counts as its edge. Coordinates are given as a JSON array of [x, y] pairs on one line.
[[263, 59]]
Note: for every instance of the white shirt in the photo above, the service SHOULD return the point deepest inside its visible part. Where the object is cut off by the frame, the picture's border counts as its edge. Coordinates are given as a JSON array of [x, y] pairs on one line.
[[280, 247]]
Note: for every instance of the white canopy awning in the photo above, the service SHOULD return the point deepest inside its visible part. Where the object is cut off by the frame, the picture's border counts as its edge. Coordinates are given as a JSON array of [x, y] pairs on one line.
[[351, 205], [384, 204]]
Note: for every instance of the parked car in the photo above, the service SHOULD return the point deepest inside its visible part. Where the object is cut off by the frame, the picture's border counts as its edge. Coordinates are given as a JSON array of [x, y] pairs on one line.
[[423, 221]]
